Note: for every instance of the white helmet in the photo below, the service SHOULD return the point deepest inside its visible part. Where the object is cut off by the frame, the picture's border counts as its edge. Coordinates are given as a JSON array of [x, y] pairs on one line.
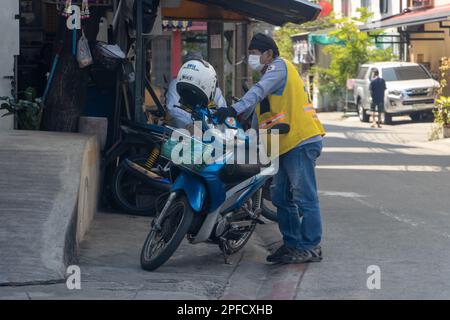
[[196, 83]]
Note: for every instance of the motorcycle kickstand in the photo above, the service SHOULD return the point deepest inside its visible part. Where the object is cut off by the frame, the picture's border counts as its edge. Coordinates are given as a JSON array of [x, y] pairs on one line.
[[226, 256]]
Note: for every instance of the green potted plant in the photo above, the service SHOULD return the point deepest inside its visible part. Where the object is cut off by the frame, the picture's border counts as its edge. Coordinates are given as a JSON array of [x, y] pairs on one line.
[[442, 110], [28, 111], [442, 115]]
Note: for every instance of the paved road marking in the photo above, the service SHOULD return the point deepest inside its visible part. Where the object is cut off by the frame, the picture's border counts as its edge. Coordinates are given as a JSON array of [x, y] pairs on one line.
[[341, 194], [406, 151], [385, 168], [400, 218], [336, 135]]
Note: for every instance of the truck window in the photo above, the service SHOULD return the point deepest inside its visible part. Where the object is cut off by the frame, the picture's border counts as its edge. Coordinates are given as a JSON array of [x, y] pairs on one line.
[[389, 74], [405, 73]]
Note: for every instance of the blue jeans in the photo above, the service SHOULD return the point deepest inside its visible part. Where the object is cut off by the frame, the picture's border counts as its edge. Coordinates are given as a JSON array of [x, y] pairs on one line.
[[294, 193]]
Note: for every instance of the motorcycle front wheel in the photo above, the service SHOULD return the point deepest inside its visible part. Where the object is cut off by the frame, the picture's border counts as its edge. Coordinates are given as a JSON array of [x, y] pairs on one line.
[[162, 243]]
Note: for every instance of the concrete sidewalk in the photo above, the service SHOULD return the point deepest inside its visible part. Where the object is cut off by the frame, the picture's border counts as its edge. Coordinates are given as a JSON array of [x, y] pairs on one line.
[[110, 269], [48, 197]]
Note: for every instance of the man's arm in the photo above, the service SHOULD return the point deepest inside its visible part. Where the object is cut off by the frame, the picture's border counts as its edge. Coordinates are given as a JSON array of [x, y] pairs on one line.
[[272, 81], [219, 100]]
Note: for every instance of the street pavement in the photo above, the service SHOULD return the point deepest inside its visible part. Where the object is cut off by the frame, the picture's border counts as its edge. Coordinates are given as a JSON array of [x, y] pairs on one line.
[[385, 199]]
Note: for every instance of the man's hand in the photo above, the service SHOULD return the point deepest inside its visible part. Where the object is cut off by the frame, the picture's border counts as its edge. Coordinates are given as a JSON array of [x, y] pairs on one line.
[[223, 113], [190, 127]]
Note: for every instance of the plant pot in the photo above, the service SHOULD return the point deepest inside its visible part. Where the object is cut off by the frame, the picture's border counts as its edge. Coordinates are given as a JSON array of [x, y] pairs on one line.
[[446, 131]]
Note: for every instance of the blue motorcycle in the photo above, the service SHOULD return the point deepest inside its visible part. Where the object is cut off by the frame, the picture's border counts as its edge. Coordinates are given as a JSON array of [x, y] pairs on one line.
[[217, 202]]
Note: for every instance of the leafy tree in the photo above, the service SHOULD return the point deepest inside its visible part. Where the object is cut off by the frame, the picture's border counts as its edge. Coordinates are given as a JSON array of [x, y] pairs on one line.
[[67, 95], [442, 111], [355, 48], [283, 35]]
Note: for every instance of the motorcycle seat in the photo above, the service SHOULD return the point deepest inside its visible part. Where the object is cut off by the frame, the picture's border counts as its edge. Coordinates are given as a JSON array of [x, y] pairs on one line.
[[235, 173]]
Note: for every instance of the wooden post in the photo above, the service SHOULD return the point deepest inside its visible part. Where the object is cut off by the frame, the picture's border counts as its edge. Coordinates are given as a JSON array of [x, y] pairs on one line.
[[177, 47], [140, 66], [216, 51], [242, 72]]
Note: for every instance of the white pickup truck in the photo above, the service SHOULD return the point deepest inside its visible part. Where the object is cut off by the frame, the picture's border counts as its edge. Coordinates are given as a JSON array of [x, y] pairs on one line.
[[411, 90]]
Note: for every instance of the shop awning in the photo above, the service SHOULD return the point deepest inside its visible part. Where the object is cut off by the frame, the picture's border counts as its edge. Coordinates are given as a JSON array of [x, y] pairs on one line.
[[276, 12], [188, 10], [323, 39], [318, 37], [436, 14]]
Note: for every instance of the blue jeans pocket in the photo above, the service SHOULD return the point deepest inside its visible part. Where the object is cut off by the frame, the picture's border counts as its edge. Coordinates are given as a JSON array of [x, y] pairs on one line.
[[314, 151]]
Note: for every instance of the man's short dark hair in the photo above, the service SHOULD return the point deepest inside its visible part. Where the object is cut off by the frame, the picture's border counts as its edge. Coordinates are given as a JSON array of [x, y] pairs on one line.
[[376, 72], [262, 43]]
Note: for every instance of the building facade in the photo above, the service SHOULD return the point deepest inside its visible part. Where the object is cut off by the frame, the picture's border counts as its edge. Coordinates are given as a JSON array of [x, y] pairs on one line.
[[420, 29], [416, 31], [8, 53]]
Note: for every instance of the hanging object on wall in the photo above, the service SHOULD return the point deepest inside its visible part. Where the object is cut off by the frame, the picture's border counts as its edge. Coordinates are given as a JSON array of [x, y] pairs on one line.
[[85, 13], [176, 25], [67, 12], [102, 34]]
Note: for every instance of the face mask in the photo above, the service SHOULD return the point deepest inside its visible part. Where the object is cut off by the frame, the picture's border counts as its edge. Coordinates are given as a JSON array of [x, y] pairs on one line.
[[254, 61]]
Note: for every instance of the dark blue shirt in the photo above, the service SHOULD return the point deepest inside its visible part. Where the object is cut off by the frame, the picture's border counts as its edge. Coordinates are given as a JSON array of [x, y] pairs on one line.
[[377, 88]]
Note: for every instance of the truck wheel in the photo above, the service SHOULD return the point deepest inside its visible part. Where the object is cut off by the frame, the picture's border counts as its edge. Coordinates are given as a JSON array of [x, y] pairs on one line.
[[415, 116], [363, 116]]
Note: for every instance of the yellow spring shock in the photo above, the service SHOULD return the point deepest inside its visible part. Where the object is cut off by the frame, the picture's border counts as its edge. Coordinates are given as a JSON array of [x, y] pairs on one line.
[[151, 160]]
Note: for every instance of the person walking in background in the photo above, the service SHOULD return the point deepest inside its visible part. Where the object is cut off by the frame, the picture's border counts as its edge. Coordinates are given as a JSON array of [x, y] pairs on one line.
[[377, 91]]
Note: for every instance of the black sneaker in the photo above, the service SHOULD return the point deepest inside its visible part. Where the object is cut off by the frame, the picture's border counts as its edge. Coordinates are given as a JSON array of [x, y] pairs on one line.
[[276, 256], [296, 256], [316, 254]]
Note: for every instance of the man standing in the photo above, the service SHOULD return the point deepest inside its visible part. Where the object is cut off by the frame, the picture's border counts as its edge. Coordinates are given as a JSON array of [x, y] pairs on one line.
[[280, 97], [377, 91]]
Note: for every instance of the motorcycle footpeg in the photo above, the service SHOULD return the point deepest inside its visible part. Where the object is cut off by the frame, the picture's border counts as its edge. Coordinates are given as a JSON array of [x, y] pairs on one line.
[[259, 221]]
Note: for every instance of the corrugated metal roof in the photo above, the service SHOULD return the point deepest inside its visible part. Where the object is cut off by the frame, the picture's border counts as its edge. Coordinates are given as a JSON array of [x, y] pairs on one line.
[[436, 14]]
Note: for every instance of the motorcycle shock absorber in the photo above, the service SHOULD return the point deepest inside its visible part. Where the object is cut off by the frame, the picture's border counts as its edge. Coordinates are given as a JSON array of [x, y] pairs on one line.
[[258, 199], [152, 158]]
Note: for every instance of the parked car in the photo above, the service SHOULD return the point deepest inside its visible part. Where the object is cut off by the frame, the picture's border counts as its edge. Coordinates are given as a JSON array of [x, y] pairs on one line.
[[411, 89]]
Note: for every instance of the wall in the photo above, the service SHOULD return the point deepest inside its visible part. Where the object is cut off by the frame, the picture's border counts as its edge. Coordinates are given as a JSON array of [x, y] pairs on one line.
[[441, 2], [374, 6], [432, 51], [8, 49]]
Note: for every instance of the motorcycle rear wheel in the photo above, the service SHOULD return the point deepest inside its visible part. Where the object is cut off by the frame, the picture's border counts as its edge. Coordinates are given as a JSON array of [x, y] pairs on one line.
[[267, 208], [131, 194], [232, 246], [269, 213]]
